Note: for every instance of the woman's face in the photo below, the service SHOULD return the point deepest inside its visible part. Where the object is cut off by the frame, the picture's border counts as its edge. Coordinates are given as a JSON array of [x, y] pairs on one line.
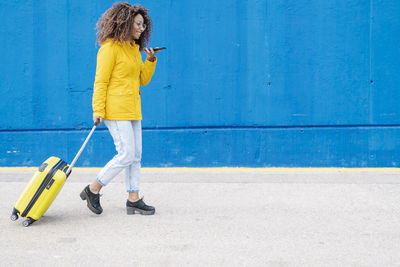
[[138, 26]]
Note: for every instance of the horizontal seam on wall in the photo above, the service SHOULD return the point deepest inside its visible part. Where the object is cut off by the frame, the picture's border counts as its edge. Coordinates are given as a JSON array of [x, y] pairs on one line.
[[215, 128], [231, 169]]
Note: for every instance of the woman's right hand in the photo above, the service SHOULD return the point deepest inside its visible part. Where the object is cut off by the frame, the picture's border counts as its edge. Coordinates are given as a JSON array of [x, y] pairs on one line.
[[97, 120]]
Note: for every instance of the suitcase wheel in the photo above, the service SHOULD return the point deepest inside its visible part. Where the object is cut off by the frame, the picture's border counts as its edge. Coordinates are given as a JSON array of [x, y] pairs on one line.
[[14, 215], [28, 222]]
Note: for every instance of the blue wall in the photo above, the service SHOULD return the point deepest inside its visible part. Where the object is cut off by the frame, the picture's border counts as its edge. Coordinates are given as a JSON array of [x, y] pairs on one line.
[[242, 83]]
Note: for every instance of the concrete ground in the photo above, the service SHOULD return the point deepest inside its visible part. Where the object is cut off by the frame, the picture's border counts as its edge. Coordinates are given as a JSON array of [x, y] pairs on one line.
[[213, 218]]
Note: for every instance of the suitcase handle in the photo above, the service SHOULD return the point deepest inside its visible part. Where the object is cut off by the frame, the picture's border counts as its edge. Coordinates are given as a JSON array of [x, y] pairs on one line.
[[81, 149]]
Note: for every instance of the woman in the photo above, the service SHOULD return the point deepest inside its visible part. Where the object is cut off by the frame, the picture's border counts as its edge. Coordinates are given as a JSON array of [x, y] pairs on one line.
[[123, 31]]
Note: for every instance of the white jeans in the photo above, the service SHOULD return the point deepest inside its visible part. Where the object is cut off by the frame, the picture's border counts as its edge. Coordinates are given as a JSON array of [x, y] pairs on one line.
[[127, 137]]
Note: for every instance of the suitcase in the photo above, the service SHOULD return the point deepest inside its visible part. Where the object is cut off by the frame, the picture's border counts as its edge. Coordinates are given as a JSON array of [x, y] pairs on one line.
[[44, 186]]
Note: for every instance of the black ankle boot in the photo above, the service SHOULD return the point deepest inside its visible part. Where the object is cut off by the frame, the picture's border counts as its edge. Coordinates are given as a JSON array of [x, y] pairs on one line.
[[139, 206], [93, 200]]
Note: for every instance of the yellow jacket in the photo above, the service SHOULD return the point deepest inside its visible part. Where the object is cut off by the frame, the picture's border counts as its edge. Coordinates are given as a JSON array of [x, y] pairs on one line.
[[119, 73]]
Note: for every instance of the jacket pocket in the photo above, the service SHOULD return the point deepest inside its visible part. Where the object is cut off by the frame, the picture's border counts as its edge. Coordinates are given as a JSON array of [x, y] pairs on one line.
[[120, 92]]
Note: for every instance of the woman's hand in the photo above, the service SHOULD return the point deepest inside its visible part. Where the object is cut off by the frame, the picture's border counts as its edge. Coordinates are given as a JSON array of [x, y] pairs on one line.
[[97, 120], [150, 54]]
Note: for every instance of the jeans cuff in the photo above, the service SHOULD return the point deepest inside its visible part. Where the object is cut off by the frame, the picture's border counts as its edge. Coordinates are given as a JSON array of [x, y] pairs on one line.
[[132, 190], [100, 182]]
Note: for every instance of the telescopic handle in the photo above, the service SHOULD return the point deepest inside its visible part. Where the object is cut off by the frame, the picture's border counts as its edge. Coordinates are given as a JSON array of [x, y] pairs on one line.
[[80, 150]]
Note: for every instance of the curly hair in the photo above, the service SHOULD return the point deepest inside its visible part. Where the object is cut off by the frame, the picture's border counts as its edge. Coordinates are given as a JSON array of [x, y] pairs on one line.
[[117, 23]]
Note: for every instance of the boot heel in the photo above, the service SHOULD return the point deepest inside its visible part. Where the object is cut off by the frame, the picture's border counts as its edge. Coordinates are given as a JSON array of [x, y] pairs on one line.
[[83, 195], [130, 210]]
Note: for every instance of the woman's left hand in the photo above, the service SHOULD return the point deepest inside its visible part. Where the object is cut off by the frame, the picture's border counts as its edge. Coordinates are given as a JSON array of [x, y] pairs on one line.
[[150, 54]]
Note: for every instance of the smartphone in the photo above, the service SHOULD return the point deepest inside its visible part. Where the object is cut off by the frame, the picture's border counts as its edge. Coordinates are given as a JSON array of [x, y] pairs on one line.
[[156, 49]]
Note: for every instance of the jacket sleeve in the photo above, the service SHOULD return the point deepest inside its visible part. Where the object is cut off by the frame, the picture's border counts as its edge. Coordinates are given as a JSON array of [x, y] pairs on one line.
[[147, 71], [105, 65]]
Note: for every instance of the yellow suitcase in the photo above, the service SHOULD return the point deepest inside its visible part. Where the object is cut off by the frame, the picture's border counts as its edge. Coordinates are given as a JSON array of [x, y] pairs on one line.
[[43, 188]]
